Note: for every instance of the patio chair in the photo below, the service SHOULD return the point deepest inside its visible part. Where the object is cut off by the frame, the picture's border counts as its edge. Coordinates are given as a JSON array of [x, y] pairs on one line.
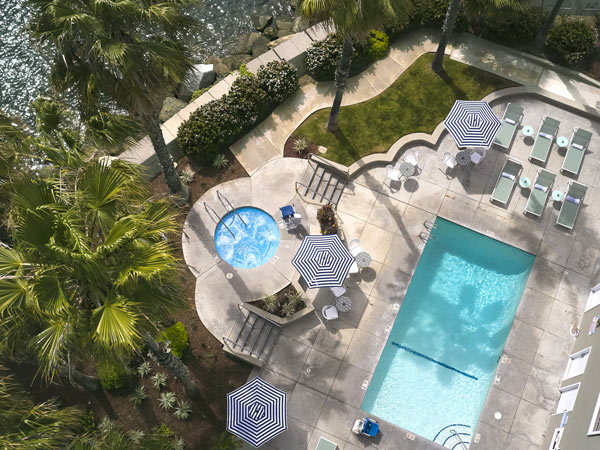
[[539, 193], [449, 160], [366, 427], [338, 291], [506, 181], [355, 247], [290, 217], [510, 122], [574, 157], [392, 172], [571, 204], [329, 312], [476, 157], [544, 139], [325, 444], [411, 157]]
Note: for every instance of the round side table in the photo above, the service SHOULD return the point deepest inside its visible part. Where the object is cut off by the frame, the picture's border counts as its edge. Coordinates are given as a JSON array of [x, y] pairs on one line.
[[562, 141], [525, 182], [527, 131], [557, 195]]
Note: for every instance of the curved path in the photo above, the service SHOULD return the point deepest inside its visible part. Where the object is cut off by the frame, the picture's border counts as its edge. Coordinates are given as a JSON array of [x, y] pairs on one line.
[[266, 141]]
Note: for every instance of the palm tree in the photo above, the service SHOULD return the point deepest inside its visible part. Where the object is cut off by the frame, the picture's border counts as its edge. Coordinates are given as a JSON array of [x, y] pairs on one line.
[[351, 19], [540, 39], [118, 55], [26, 425], [473, 8]]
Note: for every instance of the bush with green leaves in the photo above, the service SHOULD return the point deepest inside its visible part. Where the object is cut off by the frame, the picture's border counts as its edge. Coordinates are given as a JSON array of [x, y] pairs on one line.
[[159, 380], [322, 57], [270, 303], [199, 92], [378, 44], [167, 400], [225, 441], [187, 176], [429, 13], [178, 338], [183, 410], [300, 145], [114, 375], [288, 308], [138, 396], [220, 161], [516, 27], [571, 41], [144, 369], [279, 80]]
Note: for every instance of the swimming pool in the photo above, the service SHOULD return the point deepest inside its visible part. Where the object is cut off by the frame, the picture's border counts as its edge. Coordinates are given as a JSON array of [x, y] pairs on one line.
[[439, 360], [247, 237]]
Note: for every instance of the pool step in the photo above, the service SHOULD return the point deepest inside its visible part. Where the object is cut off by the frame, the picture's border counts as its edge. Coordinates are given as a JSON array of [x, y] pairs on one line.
[[252, 337], [322, 183], [456, 436]]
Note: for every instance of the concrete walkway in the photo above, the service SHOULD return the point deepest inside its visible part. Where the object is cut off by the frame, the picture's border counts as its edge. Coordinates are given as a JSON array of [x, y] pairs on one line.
[[266, 141]]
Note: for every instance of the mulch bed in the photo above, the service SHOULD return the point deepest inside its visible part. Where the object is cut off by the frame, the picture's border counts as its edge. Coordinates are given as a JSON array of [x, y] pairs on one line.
[[290, 152], [281, 299], [215, 373]]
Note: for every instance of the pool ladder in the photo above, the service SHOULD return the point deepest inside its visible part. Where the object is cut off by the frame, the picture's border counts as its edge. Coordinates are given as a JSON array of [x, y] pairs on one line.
[[462, 443], [426, 234], [228, 207]]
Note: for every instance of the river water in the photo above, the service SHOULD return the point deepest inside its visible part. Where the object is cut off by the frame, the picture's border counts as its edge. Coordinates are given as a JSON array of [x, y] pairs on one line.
[[24, 71]]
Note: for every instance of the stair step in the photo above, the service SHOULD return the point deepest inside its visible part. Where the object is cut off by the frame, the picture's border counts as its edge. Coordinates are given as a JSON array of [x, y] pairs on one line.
[[317, 181]]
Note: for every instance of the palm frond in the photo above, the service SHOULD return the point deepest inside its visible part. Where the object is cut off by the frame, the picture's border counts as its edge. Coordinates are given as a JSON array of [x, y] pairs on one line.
[[116, 324], [50, 346], [13, 295]]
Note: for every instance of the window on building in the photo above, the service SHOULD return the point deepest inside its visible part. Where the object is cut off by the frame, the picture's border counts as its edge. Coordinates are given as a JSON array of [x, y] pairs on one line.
[[567, 398], [577, 363], [595, 423], [594, 298]]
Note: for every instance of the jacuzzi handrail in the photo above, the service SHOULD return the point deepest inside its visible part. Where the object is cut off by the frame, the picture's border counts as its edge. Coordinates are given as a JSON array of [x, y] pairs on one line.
[[230, 205], [209, 210]]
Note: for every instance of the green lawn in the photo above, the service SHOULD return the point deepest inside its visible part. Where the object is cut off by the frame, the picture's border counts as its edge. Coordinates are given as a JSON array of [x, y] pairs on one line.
[[416, 102]]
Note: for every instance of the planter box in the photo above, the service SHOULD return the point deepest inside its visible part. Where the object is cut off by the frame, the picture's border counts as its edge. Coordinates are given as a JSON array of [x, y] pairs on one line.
[[282, 322]]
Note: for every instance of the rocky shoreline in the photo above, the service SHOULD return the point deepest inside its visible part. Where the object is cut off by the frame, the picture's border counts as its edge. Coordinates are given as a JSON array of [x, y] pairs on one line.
[[269, 31]]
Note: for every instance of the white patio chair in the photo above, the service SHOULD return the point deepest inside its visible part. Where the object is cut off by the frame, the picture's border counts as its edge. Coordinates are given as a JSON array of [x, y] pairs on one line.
[[338, 291], [476, 158], [393, 172], [412, 157], [355, 247], [449, 160], [329, 312]]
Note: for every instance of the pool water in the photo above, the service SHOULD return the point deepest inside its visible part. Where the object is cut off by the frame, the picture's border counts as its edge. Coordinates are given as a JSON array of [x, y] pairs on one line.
[[441, 355], [247, 238]]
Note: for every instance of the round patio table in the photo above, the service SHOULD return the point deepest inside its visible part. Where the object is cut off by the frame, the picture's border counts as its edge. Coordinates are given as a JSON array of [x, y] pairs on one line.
[[363, 259], [524, 182], [562, 142], [557, 195], [343, 304], [406, 169], [463, 158], [527, 130]]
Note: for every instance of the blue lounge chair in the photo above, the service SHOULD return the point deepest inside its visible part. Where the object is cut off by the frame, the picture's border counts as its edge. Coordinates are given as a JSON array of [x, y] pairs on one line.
[[291, 218], [366, 427]]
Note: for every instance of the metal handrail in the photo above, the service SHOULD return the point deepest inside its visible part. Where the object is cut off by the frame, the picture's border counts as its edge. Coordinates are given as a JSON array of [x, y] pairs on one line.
[[460, 441], [429, 225], [229, 207], [209, 210]]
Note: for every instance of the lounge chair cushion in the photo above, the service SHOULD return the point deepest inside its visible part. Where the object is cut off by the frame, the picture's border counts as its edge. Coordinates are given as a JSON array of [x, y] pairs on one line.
[[510, 176], [546, 135], [540, 187], [572, 200], [577, 146], [507, 120]]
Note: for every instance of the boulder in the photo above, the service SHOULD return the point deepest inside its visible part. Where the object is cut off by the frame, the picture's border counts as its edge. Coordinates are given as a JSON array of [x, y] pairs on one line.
[[261, 22], [220, 68], [270, 33], [243, 44], [281, 40], [285, 25], [293, 3], [260, 46], [201, 76], [235, 61], [170, 106], [300, 24]]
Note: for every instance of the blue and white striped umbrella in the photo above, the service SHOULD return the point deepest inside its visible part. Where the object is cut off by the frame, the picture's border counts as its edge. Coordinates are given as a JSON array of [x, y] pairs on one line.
[[323, 261], [472, 124], [257, 412]]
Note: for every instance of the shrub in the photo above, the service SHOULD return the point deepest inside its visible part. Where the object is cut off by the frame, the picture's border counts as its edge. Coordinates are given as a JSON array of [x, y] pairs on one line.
[[137, 436], [159, 380], [88, 422], [187, 176], [138, 396], [294, 297], [288, 308], [429, 13], [378, 44], [278, 80], [270, 303], [300, 145], [220, 161], [244, 72], [571, 41], [114, 375], [167, 400], [323, 56], [326, 218], [144, 369], [177, 337], [518, 27], [183, 411], [198, 93]]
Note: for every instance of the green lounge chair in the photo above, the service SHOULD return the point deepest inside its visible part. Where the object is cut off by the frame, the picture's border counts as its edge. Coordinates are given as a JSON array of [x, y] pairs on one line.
[[510, 121], [539, 192], [326, 444], [506, 181], [579, 144], [571, 204], [544, 139]]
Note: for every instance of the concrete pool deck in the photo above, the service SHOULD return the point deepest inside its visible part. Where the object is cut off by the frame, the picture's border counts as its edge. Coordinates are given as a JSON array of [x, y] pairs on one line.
[[325, 400]]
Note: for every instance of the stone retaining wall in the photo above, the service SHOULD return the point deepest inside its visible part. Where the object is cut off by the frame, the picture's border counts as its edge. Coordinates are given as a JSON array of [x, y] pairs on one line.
[[292, 50]]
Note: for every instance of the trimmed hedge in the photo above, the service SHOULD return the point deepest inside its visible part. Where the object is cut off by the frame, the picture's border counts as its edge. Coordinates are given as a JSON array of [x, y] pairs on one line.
[[219, 123], [571, 41], [114, 376], [322, 57], [178, 338], [516, 28]]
